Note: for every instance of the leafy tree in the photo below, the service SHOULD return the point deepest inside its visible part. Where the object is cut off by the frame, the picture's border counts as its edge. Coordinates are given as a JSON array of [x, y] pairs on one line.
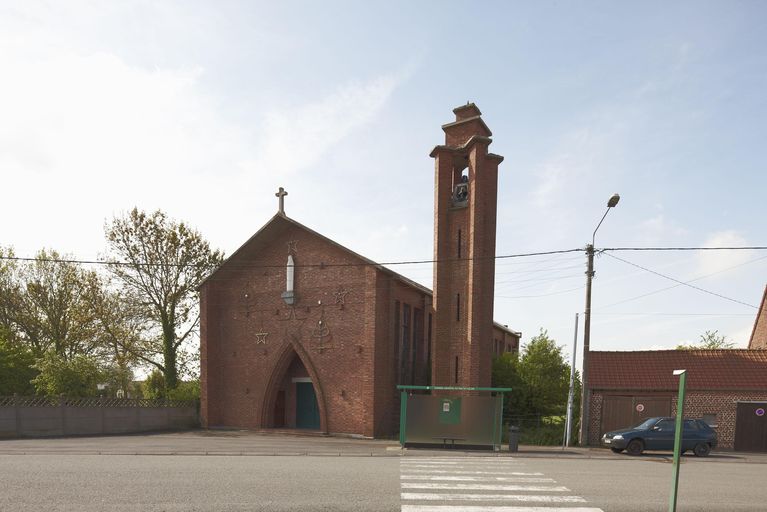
[[51, 309], [165, 261], [546, 375], [709, 340], [16, 368], [9, 293], [154, 385], [76, 376], [539, 377]]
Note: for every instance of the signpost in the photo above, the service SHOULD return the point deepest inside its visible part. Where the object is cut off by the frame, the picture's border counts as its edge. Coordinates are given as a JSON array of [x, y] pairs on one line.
[[677, 438]]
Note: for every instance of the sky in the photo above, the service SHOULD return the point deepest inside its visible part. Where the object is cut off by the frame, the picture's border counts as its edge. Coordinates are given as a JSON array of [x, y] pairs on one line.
[[204, 109]]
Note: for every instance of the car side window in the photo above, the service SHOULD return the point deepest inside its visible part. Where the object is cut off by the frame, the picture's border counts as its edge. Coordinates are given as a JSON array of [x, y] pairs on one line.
[[665, 425], [691, 425]]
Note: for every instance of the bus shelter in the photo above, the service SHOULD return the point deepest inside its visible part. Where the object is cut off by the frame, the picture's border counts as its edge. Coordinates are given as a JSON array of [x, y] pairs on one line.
[[455, 418]]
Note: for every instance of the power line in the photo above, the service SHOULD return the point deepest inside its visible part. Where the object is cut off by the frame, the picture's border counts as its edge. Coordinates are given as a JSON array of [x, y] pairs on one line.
[[542, 295], [682, 282], [750, 315], [250, 265], [751, 248], [690, 281], [363, 264]]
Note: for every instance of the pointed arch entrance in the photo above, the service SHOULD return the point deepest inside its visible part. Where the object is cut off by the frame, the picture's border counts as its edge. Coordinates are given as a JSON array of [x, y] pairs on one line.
[[294, 397]]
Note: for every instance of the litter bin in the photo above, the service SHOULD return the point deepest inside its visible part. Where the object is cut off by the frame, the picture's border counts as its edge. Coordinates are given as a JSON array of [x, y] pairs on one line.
[[513, 439]]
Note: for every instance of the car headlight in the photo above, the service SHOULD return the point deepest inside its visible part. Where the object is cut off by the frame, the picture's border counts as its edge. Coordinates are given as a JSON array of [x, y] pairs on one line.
[[617, 436]]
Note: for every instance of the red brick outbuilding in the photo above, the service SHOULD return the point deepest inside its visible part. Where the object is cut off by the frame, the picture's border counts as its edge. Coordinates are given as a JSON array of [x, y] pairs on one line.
[[726, 388]]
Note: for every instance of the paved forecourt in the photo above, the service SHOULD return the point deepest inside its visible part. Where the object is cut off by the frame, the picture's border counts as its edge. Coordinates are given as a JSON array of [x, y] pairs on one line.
[[482, 484]]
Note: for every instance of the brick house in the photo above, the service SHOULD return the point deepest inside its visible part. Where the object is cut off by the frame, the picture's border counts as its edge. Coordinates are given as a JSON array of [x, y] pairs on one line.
[[759, 333], [297, 331], [726, 388]]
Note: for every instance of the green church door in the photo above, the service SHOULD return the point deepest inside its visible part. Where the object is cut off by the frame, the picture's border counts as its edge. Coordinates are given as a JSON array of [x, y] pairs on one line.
[[307, 412]]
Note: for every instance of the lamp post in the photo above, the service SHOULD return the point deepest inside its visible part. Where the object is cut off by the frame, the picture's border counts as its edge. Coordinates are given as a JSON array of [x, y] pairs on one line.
[[583, 437]]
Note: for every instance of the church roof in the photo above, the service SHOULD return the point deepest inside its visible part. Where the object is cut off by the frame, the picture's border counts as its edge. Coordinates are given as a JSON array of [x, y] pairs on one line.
[[280, 218], [724, 369]]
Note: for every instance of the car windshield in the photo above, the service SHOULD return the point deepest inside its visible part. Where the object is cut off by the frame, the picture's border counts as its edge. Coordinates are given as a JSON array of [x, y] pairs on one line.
[[646, 424]]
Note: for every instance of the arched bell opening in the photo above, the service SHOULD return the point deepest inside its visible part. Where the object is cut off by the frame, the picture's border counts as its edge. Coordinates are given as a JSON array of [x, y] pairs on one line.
[[294, 398]]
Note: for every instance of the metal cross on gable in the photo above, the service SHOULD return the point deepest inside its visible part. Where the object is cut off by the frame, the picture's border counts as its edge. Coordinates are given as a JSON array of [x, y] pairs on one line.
[[281, 193]]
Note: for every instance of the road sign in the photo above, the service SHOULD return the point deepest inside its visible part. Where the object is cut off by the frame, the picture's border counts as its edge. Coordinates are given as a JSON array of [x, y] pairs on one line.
[[760, 411], [640, 407]]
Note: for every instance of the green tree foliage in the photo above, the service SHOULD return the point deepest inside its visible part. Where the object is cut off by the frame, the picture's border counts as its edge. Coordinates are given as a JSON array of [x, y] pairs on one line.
[[709, 340], [540, 382], [16, 368], [76, 376], [539, 377], [48, 306], [546, 375], [166, 261], [154, 387]]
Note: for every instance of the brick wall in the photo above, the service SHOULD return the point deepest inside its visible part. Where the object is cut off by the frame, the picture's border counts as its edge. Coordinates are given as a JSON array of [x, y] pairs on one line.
[[697, 404], [352, 357]]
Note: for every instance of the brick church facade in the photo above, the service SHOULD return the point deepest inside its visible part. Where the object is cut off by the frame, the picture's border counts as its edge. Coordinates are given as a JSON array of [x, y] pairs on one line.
[[298, 331]]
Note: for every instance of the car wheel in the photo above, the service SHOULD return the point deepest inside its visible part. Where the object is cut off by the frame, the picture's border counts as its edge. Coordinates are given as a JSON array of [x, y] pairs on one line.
[[635, 447], [616, 450], [702, 450]]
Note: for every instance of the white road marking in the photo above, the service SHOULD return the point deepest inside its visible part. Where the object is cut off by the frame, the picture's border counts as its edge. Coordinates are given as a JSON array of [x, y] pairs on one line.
[[462, 472], [483, 487], [447, 480], [451, 464], [457, 478], [489, 460], [535, 498], [462, 508]]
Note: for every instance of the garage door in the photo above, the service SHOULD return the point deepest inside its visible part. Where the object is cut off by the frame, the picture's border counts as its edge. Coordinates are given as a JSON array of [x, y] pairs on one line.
[[751, 427], [626, 411]]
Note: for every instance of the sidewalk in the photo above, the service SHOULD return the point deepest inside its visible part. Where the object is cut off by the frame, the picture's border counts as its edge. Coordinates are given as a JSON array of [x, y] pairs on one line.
[[249, 443]]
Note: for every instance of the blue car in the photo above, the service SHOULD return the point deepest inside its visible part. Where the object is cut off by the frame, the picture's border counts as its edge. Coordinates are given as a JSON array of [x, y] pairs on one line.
[[658, 434]]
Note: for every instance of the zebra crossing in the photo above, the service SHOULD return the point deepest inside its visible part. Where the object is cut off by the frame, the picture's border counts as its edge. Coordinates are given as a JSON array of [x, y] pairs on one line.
[[481, 484]]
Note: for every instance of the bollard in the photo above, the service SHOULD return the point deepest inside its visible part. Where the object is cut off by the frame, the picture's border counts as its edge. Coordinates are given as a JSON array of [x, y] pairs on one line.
[[513, 439]]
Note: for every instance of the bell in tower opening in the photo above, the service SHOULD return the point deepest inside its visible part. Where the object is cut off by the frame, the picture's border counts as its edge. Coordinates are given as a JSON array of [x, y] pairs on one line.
[[461, 191]]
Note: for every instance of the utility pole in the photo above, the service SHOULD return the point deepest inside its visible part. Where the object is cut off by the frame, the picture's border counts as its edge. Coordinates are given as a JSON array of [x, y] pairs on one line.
[[583, 438]]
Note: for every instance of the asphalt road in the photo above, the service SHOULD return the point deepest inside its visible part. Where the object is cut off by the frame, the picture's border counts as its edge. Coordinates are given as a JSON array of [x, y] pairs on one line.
[[67, 482], [199, 483], [249, 471], [644, 484]]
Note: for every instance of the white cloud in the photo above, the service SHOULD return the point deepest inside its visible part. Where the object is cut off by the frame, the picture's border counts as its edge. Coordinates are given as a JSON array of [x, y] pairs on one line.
[[296, 138], [659, 228], [710, 262]]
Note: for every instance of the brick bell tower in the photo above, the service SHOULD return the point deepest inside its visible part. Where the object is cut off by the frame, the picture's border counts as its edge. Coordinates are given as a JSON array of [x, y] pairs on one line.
[[465, 204]]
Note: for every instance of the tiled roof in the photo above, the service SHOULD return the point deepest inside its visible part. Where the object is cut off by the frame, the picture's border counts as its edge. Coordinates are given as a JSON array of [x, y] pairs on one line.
[[734, 369]]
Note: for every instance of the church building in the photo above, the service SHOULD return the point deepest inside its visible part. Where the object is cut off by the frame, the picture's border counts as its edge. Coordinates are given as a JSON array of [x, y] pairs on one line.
[[297, 331]]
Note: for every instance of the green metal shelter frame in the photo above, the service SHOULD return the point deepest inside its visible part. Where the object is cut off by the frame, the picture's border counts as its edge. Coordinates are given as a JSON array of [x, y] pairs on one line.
[[405, 389]]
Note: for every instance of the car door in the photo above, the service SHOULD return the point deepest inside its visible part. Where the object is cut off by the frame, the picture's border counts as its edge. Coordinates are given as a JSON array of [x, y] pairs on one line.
[[691, 435], [661, 436]]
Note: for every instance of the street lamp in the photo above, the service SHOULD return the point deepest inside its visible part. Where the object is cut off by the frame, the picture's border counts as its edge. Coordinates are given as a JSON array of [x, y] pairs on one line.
[[583, 437]]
